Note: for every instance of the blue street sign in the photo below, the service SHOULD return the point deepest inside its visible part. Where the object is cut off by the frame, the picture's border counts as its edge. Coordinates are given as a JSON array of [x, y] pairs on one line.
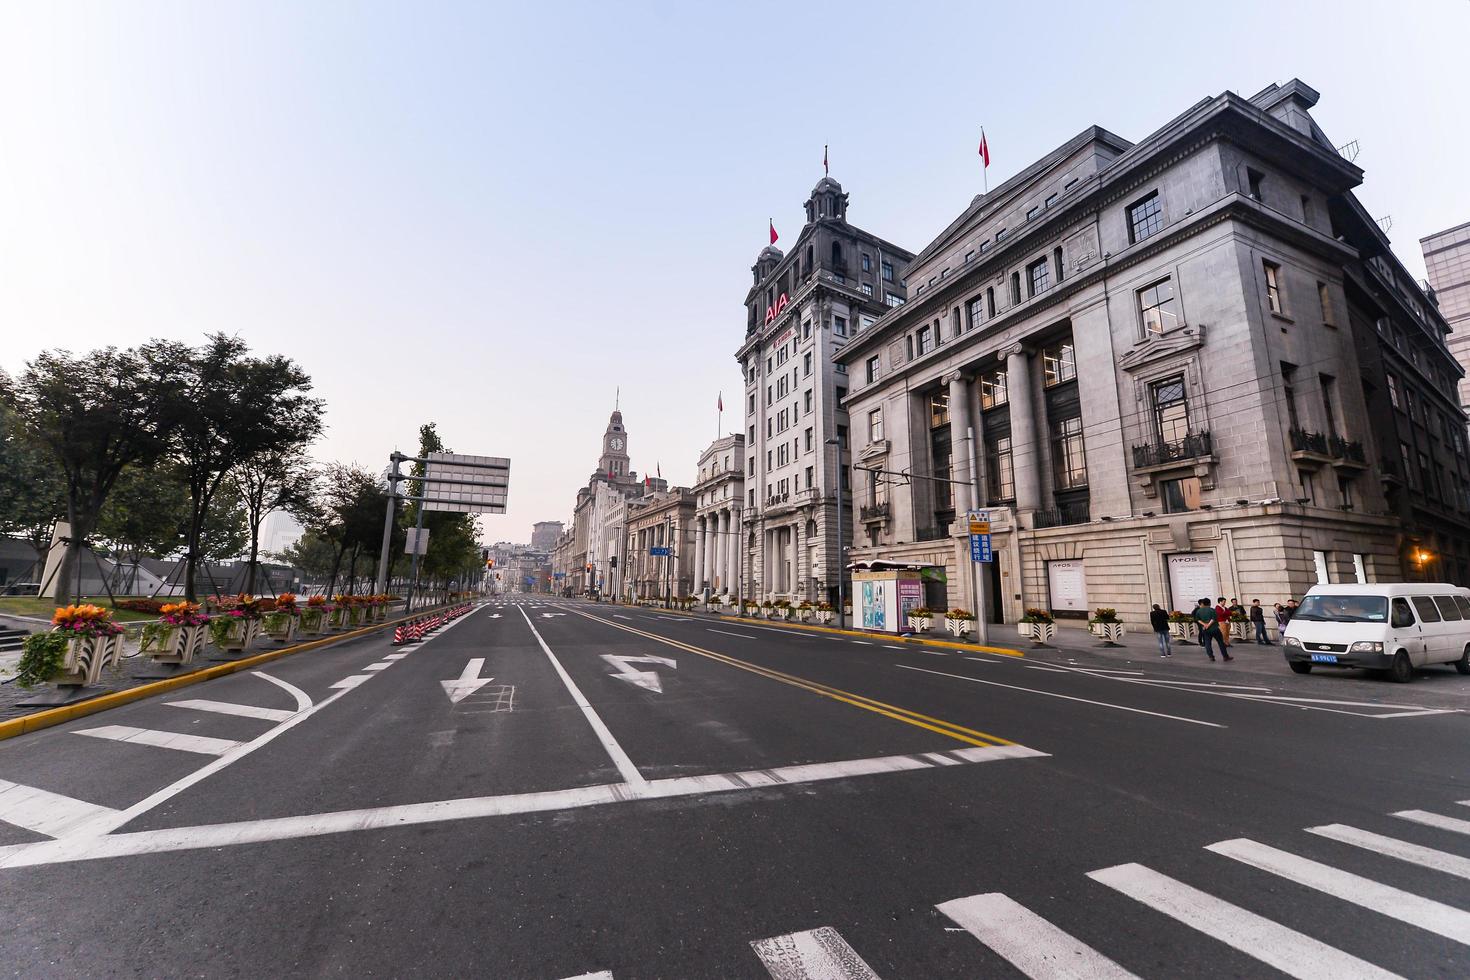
[[659, 552], [980, 547]]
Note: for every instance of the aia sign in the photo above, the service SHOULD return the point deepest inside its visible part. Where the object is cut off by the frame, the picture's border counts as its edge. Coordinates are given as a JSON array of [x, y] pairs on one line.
[[775, 309]]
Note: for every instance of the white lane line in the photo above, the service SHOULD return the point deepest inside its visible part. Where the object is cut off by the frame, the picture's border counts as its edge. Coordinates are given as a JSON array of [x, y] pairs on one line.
[[863, 642], [816, 954], [1275, 945], [1420, 712], [226, 708], [201, 744], [303, 700], [1053, 670], [1064, 697], [1452, 923], [395, 656], [44, 812], [1435, 820], [1028, 942], [890, 646], [405, 815], [615, 751], [1425, 857], [983, 660], [1224, 688], [348, 683], [619, 616], [743, 636], [377, 667], [599, 975], [1100, 670]]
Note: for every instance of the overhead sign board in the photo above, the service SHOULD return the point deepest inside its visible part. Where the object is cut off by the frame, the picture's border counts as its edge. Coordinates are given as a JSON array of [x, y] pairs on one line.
[[418, 541], [466, 484]]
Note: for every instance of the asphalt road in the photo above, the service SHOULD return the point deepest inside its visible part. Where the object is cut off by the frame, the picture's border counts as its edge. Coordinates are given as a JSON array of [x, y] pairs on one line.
[[552, 789]]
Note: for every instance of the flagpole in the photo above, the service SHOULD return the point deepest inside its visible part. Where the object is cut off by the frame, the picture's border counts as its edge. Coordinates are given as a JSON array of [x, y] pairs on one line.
[[984, 164]]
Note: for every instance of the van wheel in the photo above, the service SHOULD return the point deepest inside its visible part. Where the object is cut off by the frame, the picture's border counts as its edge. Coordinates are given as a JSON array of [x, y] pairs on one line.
[[1402, 670], [1299, 666], [1463, 664]]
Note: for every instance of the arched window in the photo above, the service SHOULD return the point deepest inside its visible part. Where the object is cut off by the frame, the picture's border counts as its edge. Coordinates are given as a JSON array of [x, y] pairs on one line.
[[1015, 289]]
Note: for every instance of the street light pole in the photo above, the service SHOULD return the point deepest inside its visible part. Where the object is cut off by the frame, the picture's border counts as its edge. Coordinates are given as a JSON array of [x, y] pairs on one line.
[[841, 566]]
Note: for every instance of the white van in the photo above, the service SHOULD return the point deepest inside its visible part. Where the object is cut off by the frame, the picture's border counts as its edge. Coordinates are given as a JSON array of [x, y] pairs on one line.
[[1389, 626]]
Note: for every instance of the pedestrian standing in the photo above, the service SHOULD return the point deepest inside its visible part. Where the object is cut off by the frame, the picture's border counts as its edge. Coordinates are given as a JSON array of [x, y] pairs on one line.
[[1282, 618], [1222, 620], [1160, 621], [1258, 620], [1209, 629], [1290, 609]]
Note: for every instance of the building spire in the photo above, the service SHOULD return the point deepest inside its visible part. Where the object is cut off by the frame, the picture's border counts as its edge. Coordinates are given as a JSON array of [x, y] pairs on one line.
[[617, 397]]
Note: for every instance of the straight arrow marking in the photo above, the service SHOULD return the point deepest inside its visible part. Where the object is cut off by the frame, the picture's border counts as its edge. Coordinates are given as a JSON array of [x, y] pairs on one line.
[[468, 683], [646, 679]]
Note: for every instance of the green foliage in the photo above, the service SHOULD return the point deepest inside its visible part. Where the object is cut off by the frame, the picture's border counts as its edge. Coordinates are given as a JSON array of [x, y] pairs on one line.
[[312, 553], [145, 513], [42, 655], [453, 538], [279, 478], [32, 486], [154, 633], [225, 533], [219, 628]]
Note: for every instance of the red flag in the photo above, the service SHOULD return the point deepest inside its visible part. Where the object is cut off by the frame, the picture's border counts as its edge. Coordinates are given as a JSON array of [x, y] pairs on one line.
[[720, 404], [645, 481], [984, 148], [824, 159], [774, 236]]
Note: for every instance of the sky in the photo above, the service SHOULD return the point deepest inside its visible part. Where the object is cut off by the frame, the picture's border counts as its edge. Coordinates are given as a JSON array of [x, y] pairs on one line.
[[493, 217]]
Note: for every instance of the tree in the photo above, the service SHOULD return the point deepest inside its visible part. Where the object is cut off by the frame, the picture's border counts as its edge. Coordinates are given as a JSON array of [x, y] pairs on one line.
[[225, 533], [32, 490], [144, 516], [277, 479], [350, 511], [312, 553], [97, 415], [238, 408], [452, 536]]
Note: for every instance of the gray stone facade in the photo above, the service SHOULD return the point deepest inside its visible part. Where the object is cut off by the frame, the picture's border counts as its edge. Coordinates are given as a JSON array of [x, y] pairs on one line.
[[1139, 357], [719, 498], [802, 308]]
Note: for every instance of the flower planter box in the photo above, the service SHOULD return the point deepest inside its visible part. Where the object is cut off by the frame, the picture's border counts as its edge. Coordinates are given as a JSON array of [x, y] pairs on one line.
[[86, 657], [241, 633], [804, 615], [337, 618], [782, 613], [279, 626], [312, 622], [1039, 634], [355, 615], [1182, 632], [825, 616], [958, 627], [920, 624], [179, 644], [1110, 633]]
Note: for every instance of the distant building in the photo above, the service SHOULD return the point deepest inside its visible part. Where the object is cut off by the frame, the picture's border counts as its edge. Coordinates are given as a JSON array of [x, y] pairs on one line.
[[1447, 259], [801, 309], [544, 535], [719, 498], [660, 520]]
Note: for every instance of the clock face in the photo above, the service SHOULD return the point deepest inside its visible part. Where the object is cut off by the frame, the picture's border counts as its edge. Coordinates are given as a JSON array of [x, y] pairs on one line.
[[616, 443]]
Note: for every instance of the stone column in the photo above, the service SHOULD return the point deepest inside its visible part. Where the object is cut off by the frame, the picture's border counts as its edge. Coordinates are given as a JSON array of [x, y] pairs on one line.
[[698, 555], [1026, 454], [715, 550], [792, 577], [961, 446]]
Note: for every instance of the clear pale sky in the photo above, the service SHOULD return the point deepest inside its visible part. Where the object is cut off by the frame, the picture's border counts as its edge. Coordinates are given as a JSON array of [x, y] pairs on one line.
[[492, 216]]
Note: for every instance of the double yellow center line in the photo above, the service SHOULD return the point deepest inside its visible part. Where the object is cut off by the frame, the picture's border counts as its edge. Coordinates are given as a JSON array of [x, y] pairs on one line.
[[963, 734]]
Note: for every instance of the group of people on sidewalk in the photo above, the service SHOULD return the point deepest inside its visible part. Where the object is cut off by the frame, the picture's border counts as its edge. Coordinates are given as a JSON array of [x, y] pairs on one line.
[[1214, 622]]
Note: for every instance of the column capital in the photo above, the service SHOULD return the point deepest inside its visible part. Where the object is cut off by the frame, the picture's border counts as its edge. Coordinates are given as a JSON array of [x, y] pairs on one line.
[[950, 377], [1013, 350]]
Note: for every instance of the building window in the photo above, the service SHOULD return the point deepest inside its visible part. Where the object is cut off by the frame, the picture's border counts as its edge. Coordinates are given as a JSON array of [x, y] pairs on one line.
[[1171, 410], [1051, 199], [894, 300], [969, 256], [1345, 491], [1157, 307], [839, 326], [750, 403], [1405, 458], [1329, 397], [808, 438], [806, 329], [1254, 179], [806, 364], [806, 402], [985, 246], [875, 425], [809, 481], [750, 464], [990, 301], [887, 271], [926, 340], [992, 388], [1324, 298], [938, 409], [841, 437], [1068, 457], [867, 262], [1288, 394], [1015, 289], [1031, 213], [1180, 495], [1000, 479], [867, 289], [1059, 363], [1306, 209], [1000, 235], [1056, 256], [1145, 218], [976, 312], [1037, 278], [1273, 286], [871, 369]]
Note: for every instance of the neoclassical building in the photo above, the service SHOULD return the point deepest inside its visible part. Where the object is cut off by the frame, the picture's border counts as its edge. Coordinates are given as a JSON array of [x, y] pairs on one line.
[[802, 308], [1142, 359], [719, 498], [661, 519]]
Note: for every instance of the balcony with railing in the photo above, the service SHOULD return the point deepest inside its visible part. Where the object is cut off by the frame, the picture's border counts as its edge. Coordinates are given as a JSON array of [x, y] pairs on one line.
[[1167, 454], [1063, 515], [1348, 453], [874, 512], [1309, 449]]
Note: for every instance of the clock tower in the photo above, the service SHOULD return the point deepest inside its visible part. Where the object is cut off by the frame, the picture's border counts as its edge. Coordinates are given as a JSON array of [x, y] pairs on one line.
[[614, 459]]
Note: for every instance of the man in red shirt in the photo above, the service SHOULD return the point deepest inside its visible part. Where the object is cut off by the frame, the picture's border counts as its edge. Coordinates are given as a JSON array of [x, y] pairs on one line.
[[1222, 617]]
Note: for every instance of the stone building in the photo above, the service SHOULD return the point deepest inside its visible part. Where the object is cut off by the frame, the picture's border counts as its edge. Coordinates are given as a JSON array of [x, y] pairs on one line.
[[1447, 261], [661, 519], [719, 498], [801, 309], [1139, 357], [544, 535]]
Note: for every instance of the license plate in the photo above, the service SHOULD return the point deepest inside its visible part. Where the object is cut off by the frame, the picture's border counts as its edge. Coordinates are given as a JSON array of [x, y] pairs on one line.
[[1324, 658]]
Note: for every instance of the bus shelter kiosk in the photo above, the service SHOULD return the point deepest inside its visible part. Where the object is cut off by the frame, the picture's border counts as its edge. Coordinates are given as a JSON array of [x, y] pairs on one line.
[[885, 596]]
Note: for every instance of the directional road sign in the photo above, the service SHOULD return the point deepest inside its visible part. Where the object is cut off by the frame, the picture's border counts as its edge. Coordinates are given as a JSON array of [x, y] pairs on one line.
[[979, 521], [658, 552]]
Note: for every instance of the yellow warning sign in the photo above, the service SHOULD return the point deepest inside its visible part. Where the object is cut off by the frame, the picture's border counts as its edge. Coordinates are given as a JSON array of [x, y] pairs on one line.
[[979, 527]]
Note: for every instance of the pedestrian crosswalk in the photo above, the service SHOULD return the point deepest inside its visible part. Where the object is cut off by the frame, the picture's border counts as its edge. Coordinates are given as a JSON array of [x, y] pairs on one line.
[[1005, 928]]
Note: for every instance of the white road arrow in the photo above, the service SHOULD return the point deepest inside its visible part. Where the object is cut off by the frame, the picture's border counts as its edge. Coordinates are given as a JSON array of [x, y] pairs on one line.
[[549, 615], [646, 679], [495, 615], [469, 681]]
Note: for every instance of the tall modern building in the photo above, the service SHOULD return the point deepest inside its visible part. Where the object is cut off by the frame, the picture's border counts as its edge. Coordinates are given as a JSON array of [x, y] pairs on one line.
[[802, 308], [1447, 259], [1170, 369]]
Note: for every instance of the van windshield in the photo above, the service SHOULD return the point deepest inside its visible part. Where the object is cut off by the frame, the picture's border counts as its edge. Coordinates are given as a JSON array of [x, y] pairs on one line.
[[1343, 609]]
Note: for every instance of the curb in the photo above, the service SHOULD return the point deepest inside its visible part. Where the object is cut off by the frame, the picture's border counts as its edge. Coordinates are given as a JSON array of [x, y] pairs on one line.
[[1003, 651], [12, 727]]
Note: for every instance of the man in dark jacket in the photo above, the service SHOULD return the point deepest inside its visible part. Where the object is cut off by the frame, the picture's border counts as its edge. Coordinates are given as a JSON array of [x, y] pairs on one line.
[[1160, 621], [1258, 620], [1209, 629]]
